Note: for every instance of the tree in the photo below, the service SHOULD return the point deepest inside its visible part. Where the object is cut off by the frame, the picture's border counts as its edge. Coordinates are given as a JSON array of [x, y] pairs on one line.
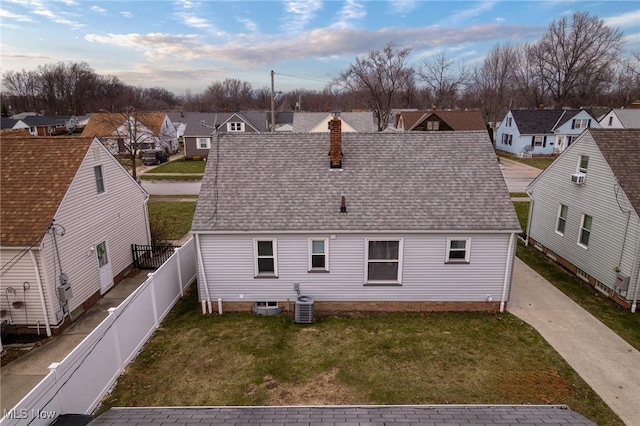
[[378, 77], [493, 79], [444, 82], [575, 59]]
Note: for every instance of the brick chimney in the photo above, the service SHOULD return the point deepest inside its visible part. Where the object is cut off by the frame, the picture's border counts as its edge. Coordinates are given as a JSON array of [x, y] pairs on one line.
[[635, 105], [335, 147], [540, 107]]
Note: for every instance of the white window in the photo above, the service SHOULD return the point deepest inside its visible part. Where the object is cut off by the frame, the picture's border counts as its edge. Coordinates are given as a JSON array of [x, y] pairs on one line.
[[538, 140], [318, 254], [580, 123], [552, 254], [235, 127], [99, 175], [583, 275], [562, 219], [610, 121], [585, 230], [266, 258], [507, 139], [204, 143], [458, 250], [602, 287], [267, 304], [383, 261], [583, 164], [509, 120], [433, 125]]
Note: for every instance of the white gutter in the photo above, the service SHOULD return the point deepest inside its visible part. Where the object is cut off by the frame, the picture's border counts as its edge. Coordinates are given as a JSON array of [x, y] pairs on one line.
[[528, 230], [507, 268], [41, 293], [634, 302], [206, 304]]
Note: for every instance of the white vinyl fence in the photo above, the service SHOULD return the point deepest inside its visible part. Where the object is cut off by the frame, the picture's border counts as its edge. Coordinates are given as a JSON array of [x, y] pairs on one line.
[[78, 383]]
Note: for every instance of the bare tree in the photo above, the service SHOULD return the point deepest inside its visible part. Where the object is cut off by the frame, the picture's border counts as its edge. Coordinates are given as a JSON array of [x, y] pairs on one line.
[[445, 82], [379, 77], [530, 90], [230, 95], [575, 58], [625, 87], [493, 79]]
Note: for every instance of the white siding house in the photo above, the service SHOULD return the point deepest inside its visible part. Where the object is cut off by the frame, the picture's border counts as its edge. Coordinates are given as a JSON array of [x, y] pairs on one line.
[[621, 118], [387, 221], [584, 212], [67, 222]]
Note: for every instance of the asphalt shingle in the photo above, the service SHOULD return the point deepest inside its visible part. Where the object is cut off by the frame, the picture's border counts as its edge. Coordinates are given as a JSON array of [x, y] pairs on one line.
[[361, 122], [410, 181]]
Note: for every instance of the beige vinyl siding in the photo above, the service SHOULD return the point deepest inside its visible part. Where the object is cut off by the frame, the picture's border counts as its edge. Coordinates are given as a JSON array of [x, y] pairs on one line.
[[24, 271], [596, 198], [229, 269], [118, 216]]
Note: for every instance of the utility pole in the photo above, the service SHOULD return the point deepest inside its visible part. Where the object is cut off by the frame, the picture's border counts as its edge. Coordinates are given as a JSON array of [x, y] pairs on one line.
[[273, 104]]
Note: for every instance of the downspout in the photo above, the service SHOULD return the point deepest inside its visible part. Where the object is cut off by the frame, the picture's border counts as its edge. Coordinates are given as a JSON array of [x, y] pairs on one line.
[[508, 266], [206, 304], [41, 293], [146, 218], [634, 302], [528, 230]]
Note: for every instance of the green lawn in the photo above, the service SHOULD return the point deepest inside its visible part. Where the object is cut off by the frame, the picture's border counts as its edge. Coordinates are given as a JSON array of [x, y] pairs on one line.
[[180, 166], [622, 322], [519, 194], [538, 162], [382, 358], [181, 176], [170, 220]]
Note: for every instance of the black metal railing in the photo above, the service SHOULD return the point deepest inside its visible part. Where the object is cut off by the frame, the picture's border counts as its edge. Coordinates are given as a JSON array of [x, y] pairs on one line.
[[151, 257]]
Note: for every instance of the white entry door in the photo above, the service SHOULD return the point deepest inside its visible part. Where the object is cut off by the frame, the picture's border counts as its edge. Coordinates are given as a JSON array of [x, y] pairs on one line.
[[106, 275]]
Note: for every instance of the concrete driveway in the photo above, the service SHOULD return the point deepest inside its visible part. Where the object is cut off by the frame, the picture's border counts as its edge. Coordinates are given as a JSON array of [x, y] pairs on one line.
[[608, 364], [517, 175]]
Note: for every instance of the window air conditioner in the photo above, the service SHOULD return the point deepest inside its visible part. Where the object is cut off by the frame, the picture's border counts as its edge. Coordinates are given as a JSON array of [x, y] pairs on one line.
[[578, 178]]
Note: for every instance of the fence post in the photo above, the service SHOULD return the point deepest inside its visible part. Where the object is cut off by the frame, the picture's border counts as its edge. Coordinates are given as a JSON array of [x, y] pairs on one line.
[[153, 299], [116, 340], [177, 253], [53, 368]]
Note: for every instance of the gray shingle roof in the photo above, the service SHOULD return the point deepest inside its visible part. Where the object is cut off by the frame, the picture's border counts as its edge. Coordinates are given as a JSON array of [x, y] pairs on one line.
[[411, 181], [536, 122], [621, 150], [362, 122], [479, 415], [630, 118]]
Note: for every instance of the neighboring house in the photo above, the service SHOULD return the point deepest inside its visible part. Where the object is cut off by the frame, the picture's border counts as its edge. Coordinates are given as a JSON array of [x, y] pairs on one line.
[[45, 125], [352, 122], [150, 130], [355, 220], [621, 118], [199, 130], [541, 132], [249, 121], [440, 121], [7, 123], [77, 123], [584, 212], [70, 213]]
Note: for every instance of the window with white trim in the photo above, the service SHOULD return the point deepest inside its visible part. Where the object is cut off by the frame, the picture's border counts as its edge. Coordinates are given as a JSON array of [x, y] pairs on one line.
[[318, 254], [507, 139], [583, 275], [562, 219], [267, 304], [99, 175], [585, 230], [552, 254], [458, 250], [538, 140], [583, 164], [509, 121], [580, 123], [383, 261], [433, 125], [235, 126], [266, 258], [203, 143]]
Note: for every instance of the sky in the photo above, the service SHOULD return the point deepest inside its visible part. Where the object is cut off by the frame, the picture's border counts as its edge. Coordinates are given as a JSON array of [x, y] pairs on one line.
[[185, 45]]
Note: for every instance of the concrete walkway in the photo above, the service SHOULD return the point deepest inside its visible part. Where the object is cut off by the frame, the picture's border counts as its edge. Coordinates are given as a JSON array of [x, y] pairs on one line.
[[605, 361], [21, 375], [517, 175]]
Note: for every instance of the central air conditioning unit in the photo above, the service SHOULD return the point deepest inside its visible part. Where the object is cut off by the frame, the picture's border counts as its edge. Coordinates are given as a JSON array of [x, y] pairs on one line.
[[304, 310], [578, 178]]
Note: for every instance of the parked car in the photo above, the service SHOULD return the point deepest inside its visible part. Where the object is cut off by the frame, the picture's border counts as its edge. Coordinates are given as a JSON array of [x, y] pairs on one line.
[[152, 157]]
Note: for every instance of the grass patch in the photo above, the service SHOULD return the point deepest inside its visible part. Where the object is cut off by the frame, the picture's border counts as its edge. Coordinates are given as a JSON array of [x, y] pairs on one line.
[[522, 211], [149, 176], [539, 162], [170, 220], [519, 194], [180, 166], [382, 358]]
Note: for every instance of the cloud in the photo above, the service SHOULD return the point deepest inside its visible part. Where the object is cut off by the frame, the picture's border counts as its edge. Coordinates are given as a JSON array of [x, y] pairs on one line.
[[98, 9], [155, 46], [186, 4], [250, 25], [402, 6], [54, 17], [629, 19], [299, 14], [5, 14], [467, 14], [351, 11], [126, 14]]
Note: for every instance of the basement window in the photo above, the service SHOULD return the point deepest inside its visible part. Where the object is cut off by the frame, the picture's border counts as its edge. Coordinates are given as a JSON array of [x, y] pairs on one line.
[[602, 287], [551, 254], [267, 304], [583, 275]]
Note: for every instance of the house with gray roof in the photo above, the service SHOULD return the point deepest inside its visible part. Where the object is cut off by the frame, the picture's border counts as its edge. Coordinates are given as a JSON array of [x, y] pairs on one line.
[[621, 118], [357, 221], [541, 132], [585, 212], [312, 122]]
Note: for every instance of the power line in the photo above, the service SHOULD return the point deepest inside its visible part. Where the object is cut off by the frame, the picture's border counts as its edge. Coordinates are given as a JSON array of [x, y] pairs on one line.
[[310, 79]]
